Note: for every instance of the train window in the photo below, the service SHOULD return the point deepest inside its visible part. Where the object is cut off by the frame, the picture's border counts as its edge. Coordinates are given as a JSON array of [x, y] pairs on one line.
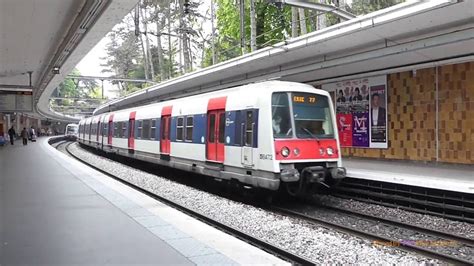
[[116, 131], [163, 129], [153, 129], [146, 129], [281, 118], [124, 130], [249, 129], [221, 127], [105, 129], [179, 129], [189, 128], [212, 126], [238, 130], [138, 135], [312, 116]]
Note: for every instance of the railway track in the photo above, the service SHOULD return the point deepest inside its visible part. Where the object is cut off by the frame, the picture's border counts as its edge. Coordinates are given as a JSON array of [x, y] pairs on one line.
[[447, 204], [397, 242], [59, 144], [291, 257], [434, 244]]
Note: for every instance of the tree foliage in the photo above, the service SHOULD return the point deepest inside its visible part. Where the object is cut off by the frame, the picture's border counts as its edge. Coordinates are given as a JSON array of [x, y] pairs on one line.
[[362, 7], [173, 40]]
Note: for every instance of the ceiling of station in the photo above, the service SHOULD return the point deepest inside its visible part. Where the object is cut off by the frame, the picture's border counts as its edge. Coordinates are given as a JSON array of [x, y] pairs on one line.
[[39, 35], [30, 32]]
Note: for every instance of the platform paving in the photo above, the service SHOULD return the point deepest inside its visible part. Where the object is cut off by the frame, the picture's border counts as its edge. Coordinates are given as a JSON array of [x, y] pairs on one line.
[[48, 216], [453, 177], [55, 210]]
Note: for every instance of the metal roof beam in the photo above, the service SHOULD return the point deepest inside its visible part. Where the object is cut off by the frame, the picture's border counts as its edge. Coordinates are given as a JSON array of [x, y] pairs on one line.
[[109, 78], [11, 86], [317, 6]]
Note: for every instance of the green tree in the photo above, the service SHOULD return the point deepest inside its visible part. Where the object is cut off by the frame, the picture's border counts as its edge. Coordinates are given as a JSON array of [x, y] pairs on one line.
[[123, 56], [362, 7], [69, 87], [272, 26]]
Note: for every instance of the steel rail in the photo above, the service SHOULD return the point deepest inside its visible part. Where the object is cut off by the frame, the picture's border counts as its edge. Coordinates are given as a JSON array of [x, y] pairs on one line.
[[354, 231], [436, 233], [411, 201]]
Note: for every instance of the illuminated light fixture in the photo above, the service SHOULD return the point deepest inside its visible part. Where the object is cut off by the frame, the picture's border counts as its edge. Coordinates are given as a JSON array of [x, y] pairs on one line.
[[330, 151], [56, 70]]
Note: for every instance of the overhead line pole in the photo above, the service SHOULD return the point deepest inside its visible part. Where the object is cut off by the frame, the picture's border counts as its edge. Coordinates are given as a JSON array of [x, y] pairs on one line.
[[242, 25]]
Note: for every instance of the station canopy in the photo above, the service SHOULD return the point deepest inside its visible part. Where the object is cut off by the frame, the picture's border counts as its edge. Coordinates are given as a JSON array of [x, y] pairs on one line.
[[44, 40]]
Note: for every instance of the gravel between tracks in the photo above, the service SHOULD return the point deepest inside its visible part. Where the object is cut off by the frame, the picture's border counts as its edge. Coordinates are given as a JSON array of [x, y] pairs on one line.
[[452, 248], [422, 220], [318, 244]]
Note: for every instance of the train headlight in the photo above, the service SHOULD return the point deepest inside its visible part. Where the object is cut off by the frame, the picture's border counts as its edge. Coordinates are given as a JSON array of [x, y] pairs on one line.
[[285, 151], [330, 151], [321, 151], [296, 151]]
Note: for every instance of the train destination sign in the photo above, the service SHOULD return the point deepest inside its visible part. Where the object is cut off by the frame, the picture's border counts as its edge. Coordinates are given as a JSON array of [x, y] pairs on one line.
[[304, 98], [13, 101]]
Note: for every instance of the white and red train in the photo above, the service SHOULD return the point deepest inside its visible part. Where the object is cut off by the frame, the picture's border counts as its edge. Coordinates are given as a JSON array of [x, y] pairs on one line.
[[71, 132], [266, 135]]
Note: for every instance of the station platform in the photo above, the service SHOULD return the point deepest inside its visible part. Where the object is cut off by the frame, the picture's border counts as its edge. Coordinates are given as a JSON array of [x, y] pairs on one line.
[[56, 211], [459, 178]]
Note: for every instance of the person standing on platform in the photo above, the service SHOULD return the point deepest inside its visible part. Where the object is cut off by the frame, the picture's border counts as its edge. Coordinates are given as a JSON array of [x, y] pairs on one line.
[[24, 136], [12, 134]]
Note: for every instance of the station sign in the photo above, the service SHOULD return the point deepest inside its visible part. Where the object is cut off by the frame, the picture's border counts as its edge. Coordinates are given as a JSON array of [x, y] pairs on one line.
[[16, 101]]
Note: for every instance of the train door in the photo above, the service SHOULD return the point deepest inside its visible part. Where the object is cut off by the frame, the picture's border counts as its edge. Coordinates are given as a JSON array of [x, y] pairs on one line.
[[165, 135], [99, 131], [215, 135], [90, 131], [104, 133], [248, 129], [165, 128], [111, 129], [131, 132]]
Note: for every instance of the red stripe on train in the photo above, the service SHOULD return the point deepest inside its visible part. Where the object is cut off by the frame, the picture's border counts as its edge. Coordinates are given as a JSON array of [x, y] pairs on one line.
[[111, 129], [308, 149], [131, 133], [217, 103], [166, 110]]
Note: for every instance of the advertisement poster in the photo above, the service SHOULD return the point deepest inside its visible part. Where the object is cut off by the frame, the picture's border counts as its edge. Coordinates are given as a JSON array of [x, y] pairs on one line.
[[360, 132], [344, 126], [361, 111], [378, 116]]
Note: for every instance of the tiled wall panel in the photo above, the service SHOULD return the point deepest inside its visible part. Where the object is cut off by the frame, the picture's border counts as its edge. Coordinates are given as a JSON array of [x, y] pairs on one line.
[[412, 116]]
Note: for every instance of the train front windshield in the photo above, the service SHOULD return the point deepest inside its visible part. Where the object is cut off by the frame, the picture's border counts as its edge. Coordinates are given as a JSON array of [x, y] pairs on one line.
[[71, 130], [301, 115]]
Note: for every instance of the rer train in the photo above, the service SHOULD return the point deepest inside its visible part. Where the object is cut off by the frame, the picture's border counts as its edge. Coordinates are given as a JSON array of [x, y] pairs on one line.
[[271, 135], [71, 131]]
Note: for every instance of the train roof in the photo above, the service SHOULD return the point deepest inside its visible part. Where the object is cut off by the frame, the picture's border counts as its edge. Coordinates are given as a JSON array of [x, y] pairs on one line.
[[256, 90]]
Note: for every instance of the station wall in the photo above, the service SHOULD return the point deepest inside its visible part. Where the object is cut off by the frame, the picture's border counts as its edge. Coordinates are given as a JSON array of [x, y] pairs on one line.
[[412, 115]]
